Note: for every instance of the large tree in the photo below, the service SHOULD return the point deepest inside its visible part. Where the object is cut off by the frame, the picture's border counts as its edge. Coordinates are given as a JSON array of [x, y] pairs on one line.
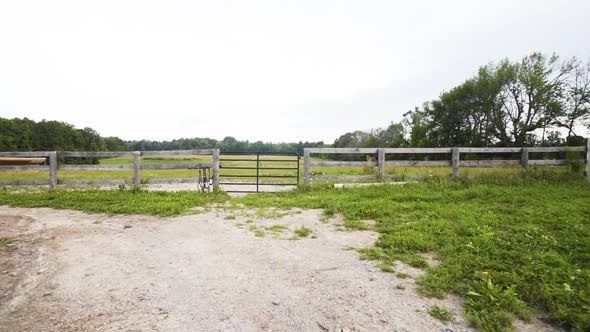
[[577, 98], [531, 95]]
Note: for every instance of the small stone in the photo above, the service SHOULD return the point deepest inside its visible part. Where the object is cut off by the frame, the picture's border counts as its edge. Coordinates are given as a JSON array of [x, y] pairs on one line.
[[42, 271], [276, 302], [4, 272], [47, 294], [371, 279], [13, 274]]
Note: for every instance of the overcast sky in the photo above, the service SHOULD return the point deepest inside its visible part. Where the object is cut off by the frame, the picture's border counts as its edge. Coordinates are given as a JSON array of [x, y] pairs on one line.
[[259, 70]]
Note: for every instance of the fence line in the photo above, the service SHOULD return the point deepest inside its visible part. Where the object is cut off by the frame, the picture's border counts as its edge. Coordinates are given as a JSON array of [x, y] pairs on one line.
[[53, 167], [455, 160]]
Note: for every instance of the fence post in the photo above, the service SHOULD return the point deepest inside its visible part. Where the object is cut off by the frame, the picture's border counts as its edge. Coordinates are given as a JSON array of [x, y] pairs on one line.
[[306, 163], [524, 159], [216, 169], [455, 161], [137, 168], [588, 159], [53, 170], [381, 163]]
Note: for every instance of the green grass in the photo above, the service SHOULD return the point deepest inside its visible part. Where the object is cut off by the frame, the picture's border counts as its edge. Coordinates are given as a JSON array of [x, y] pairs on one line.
[[158, 203], [385, 267], [259, 233], [530, 234], [276, 228], [441, 314], [303, 231], [6, 240]]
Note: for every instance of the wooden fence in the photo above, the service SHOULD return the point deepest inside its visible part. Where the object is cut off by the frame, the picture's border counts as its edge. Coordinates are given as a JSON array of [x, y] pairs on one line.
[[454, 161], [53, 167]]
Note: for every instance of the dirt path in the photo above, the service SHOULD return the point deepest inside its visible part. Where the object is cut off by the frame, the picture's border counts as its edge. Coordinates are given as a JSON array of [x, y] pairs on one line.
[[74, 271]]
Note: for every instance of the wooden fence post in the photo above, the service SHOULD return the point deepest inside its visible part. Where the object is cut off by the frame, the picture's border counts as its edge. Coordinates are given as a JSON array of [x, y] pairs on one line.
[[524, 159], [588, 159], [216, 169], [381, 163], [455, 161], [136, 168], [306, 165], [53, 170]]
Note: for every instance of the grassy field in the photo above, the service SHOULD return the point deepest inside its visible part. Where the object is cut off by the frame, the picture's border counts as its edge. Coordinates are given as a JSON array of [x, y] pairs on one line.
[[511, 246]]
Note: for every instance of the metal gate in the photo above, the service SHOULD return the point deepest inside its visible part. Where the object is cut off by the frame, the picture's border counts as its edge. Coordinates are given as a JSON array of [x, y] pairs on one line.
[[258, 170]]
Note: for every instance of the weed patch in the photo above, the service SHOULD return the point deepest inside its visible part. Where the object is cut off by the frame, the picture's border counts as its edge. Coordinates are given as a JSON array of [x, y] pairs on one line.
[[6, 240], [441, 314], [303, 231]]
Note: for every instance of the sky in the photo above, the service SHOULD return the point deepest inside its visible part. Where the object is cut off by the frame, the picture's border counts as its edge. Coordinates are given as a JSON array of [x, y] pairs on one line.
[[274, 71]]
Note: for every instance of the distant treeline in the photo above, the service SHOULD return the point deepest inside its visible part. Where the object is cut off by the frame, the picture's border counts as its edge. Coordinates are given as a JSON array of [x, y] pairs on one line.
[[228, 144], [27, 135]]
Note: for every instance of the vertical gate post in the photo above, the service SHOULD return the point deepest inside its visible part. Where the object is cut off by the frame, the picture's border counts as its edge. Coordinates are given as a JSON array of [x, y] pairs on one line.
[[588, 159], [455, 161], [306, 163], [53, 170], [216, 169], [257, 170], [136, 168], [524, 160], [381, 163]]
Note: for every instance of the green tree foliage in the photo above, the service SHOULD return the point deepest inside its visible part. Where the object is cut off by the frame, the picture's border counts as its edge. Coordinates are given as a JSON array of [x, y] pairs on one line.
[[228, 144], [508, 104], [27, 135], [577, 99]]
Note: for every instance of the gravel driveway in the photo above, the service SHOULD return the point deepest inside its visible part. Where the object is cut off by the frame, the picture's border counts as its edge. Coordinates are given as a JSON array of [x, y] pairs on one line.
[[205, 272]]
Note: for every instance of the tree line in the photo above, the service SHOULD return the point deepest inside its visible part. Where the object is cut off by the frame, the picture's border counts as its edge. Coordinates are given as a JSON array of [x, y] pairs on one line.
[[28, 135], [228, 144], [538, 101]]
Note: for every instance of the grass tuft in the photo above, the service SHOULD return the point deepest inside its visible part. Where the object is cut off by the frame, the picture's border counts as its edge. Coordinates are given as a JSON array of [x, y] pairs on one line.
[[441, 314], [303, 231], [6, 240]]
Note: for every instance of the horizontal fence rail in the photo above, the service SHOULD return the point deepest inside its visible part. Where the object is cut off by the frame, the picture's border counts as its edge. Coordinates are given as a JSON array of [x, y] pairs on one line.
[[53, 167], [378, 155]]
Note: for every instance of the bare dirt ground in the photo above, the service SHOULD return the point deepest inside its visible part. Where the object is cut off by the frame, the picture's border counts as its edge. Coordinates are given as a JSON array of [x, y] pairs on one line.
[[70, 271]]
